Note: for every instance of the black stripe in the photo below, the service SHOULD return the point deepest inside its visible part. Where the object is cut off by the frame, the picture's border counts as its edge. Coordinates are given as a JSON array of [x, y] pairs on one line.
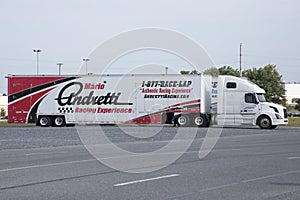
[[23, 93], [32, 117], [193, 106], [197, 105]]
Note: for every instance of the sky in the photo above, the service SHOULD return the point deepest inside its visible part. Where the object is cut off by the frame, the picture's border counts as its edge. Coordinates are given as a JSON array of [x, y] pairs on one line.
[[68, 31]]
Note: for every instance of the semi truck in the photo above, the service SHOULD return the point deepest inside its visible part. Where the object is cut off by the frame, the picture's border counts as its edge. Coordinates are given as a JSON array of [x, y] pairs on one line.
[[201, 100]]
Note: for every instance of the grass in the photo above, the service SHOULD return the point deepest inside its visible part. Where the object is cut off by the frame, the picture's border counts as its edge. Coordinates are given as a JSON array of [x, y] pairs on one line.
[[4, 123], [294, 121]]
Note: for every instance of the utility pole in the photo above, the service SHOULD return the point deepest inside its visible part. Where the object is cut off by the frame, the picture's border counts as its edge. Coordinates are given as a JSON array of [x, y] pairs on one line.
[[240, 59], [37, 51], [59, 68], [166, 70], [86, 68]]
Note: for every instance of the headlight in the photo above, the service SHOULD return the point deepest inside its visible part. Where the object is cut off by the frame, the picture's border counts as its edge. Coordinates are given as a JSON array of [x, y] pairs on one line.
[[278, 116]]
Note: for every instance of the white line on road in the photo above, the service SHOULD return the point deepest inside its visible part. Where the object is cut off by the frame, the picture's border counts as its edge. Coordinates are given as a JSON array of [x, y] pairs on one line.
[[146, 180], [270, 176], [293, 158], [45, 165], [44, 153], [233, 184]]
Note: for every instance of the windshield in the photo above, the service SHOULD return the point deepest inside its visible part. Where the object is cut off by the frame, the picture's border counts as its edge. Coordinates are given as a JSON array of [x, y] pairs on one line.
[[261, 97]]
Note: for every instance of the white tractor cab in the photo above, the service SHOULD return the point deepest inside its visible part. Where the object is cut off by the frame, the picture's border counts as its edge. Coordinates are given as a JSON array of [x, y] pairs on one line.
[[241, 102]]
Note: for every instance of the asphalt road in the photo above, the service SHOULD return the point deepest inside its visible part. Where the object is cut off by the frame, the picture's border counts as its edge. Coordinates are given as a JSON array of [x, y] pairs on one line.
[[246, 163]]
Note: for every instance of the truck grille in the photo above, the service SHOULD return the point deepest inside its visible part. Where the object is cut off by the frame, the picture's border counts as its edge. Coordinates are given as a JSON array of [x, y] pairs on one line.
[[285, 113]]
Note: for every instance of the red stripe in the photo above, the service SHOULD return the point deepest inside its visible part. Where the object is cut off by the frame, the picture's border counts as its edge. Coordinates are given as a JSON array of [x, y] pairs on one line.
[[20, 83], [149, 119]]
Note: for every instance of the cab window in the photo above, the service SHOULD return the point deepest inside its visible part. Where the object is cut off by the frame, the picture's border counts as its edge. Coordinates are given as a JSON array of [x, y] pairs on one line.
[[231, 85], [250, 98], [261, 97]]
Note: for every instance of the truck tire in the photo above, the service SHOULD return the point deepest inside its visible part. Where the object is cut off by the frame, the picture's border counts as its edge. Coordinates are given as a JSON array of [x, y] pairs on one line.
[[184, 120], [44, 121], [264, 122], [200, 121], [59, 121]]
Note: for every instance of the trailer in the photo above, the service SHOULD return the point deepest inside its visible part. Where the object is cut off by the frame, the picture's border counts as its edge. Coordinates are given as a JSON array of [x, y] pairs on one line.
[[140, 99]]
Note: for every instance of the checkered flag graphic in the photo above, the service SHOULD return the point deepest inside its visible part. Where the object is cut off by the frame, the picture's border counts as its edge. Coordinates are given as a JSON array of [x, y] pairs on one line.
[[65, 110]]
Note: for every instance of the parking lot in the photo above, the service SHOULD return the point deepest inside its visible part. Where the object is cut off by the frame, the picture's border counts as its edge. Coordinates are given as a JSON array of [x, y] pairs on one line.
[[246, 163]]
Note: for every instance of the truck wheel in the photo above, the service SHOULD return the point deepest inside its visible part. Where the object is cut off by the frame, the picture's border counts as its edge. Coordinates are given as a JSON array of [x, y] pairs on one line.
[[44, 121], [183, 120], [200, 121], [264, 122], [59, 121]]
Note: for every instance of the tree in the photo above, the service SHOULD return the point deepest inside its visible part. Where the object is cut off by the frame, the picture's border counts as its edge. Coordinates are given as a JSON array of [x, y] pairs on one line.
[[189, 72], [3, 112], [270, 80], [184, 72], [194, 72], [297, 106], [213, 71], [227, 70], [266, 77]]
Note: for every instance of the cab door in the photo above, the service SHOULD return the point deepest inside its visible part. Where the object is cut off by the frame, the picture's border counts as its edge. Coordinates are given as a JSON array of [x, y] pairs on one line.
[[250, 109], [231, 106], [228, 115]]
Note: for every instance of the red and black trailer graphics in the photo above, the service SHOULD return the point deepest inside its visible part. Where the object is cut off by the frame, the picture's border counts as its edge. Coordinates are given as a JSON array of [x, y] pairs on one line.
[[107, 99], [25, 93]]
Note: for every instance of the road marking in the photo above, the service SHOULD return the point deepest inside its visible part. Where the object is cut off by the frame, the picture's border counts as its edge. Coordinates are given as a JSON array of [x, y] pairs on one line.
[[80, 161], [270, 176], [293, 158], [110, 157], [146, 180], [45, 165], [44, 153], [232, 184]]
